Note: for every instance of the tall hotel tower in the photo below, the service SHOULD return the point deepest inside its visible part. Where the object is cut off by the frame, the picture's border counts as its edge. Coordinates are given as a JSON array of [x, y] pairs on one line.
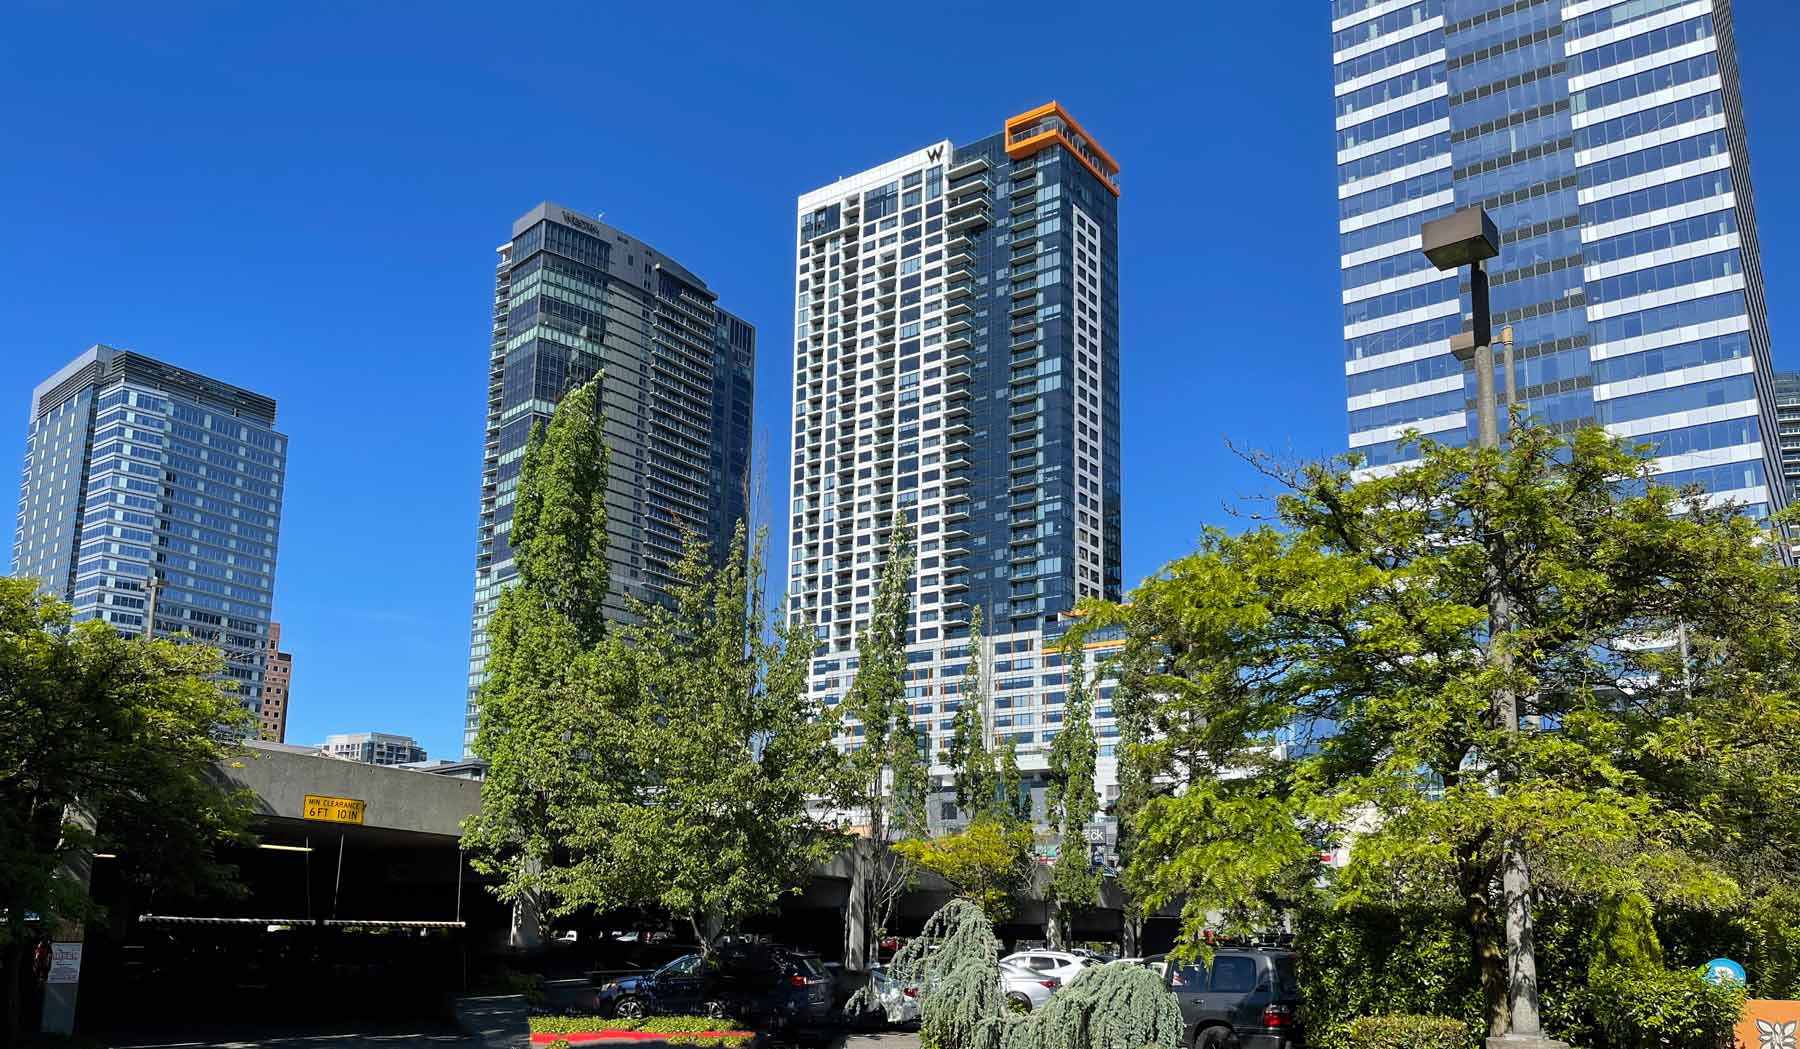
[[956, 357], [1606, 139], [574, 297]]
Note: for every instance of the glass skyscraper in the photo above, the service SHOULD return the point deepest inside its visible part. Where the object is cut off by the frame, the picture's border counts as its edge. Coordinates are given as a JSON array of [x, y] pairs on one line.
[[956, 358], [573, 298], [1787, 417], [1606, 139], [137, 470]]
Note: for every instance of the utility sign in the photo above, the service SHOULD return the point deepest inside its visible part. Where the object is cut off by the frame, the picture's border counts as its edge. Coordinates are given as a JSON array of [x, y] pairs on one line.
[[332, 810], [65, 963]]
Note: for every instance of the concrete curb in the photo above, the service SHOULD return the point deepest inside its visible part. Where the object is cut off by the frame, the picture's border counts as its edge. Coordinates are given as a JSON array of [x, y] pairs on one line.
[[499, 1021]]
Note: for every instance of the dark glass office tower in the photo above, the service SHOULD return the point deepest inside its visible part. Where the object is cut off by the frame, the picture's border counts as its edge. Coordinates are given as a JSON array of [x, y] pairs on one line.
[[139, 473], [956, 357], [574, 297], [1606, 139]]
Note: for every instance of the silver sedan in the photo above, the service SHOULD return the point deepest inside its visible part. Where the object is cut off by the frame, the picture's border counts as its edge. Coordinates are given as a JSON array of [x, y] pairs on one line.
[[1026, 990]]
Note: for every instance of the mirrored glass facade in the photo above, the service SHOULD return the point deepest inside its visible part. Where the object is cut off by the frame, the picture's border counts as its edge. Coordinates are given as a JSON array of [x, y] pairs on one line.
[[1606, 139], [137, 470], [573, 298]]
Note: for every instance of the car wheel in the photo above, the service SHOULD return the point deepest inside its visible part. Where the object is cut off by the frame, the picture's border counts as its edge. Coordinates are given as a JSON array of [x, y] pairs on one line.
[[717, 1010], [1216, 1038], [630, 1007], [1018, 1003]]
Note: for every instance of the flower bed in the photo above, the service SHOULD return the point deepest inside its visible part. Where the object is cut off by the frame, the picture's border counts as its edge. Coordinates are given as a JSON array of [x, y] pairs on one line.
[[676, 1030]]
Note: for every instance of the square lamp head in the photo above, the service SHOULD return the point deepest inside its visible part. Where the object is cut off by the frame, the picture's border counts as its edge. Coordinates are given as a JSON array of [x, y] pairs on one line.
[[1460, 239]]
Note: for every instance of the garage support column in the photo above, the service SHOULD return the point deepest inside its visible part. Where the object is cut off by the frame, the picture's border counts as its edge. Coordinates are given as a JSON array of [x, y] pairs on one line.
[[856, 908]]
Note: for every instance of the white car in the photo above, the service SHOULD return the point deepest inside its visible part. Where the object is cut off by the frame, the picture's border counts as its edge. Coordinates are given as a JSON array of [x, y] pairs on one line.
[[900, 1003], [1026, 991], [1060, 964]]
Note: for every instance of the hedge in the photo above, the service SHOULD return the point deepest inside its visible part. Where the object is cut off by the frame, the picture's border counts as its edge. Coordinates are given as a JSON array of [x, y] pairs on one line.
[[1646, 1009], [674, 1026], [1376, 961], [1406, 1031]]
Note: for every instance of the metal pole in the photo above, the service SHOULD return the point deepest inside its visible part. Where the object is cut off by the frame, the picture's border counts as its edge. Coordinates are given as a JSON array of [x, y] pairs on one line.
[[1521, 960], [1512, 383], [339, 883], [154, 585]]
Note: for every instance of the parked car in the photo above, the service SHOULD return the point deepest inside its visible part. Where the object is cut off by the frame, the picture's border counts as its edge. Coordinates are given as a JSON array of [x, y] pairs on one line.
[[899, 1001], [1026, 989], [1248, 998], [772, 986], [1060, 964], [1156, 963]]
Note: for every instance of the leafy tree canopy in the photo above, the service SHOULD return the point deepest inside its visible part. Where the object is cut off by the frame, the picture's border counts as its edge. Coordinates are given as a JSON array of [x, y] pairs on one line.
[[1328, 677]]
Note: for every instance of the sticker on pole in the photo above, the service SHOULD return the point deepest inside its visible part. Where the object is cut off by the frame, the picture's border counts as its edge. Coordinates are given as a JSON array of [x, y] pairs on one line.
[[332, 810], [65, 963], [1723, 970]]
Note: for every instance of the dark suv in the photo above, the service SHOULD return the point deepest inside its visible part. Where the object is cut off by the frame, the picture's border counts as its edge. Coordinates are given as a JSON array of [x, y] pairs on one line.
[[760, 984], [1247, 999]]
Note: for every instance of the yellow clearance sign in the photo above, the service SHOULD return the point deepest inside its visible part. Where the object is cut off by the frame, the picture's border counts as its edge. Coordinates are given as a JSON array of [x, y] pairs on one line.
[[333, 810]]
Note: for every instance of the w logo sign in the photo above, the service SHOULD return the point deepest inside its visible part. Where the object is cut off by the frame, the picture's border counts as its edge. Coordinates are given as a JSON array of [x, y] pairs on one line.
[[934, 153]]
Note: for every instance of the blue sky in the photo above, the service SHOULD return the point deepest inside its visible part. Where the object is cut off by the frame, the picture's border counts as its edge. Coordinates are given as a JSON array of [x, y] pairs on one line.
[[304, 199]]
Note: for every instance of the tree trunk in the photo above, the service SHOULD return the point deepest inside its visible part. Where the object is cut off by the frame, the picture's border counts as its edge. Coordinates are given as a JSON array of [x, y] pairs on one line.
[[1131, 935], [1476, 879]]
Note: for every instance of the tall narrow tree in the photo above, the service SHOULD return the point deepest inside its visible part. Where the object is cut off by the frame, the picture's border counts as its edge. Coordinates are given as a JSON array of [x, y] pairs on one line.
[[885, 776], [1069, 801], [542, 638], [971, 762]]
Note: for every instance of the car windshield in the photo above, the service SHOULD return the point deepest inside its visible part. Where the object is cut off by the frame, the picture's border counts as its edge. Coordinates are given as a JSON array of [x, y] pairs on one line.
[[681, 966]]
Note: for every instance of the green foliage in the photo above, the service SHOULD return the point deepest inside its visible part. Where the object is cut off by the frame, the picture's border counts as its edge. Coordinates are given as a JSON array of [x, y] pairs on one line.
[[1070, 801], [558, 536], [1406, 1031], [971, 762], [1330, 678], [699, 718], [885, 778], [680, 1029], [1624, 937], [1118, 1005], [954, 963], [112, 744], [1660, 1009], [1012, 803], [987, 863], [1372, 960], [666, 763], [544, 642]]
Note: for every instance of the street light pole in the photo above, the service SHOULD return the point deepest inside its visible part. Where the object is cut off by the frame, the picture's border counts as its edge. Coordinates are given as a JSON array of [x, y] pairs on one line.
[[1469, 237]]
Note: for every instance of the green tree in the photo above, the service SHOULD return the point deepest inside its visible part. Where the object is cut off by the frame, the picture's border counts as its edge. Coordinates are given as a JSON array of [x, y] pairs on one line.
[[885, 775], [1329, 676], [112, 744], [1012, 802], [987, 863], [1069, 801], [716, 749], [544, 641], [971, 762]]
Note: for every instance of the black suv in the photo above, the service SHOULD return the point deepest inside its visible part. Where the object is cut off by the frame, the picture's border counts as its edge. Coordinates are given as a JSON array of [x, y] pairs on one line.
[[1247, 999], [761, 984]]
